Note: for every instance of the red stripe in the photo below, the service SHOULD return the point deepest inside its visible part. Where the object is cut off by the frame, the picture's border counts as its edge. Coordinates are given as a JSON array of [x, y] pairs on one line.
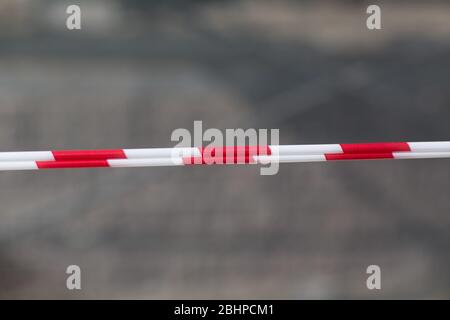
[[385, 147], [358, 156], [71, 164], [75, 155], [193, 160]]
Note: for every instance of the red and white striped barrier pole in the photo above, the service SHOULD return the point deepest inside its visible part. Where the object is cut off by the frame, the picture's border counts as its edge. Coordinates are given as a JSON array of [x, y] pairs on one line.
[[35, 160]]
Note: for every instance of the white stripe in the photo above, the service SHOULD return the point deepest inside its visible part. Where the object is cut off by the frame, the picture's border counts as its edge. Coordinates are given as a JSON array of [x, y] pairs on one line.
[[291, 158], [307, 149], [18, 165], [437, 146], [420, 155], [27, 156], [161, 153], [123, 163]]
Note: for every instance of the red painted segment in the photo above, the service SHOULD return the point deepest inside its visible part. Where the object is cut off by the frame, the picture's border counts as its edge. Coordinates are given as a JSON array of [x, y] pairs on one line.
[[76, 155], [71, 164], [358, 156], [193, 160], [383, 147]]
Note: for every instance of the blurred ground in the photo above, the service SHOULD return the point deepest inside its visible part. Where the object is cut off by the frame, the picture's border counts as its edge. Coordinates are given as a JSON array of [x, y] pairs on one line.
[[135, 73]]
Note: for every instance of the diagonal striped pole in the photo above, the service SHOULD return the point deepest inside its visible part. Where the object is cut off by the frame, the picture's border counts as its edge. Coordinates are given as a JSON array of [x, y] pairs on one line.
[[148, 157]]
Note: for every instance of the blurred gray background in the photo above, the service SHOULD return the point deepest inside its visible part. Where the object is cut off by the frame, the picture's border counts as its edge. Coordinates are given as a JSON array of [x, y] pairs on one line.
[[139, 69]]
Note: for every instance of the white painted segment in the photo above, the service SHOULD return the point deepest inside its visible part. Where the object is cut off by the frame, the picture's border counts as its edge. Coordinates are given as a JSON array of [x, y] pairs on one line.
[[420, 155], [290, 158], [161, 153], [306, 149], [27, 156], [155, 162], [437, 146], [18, 165]]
